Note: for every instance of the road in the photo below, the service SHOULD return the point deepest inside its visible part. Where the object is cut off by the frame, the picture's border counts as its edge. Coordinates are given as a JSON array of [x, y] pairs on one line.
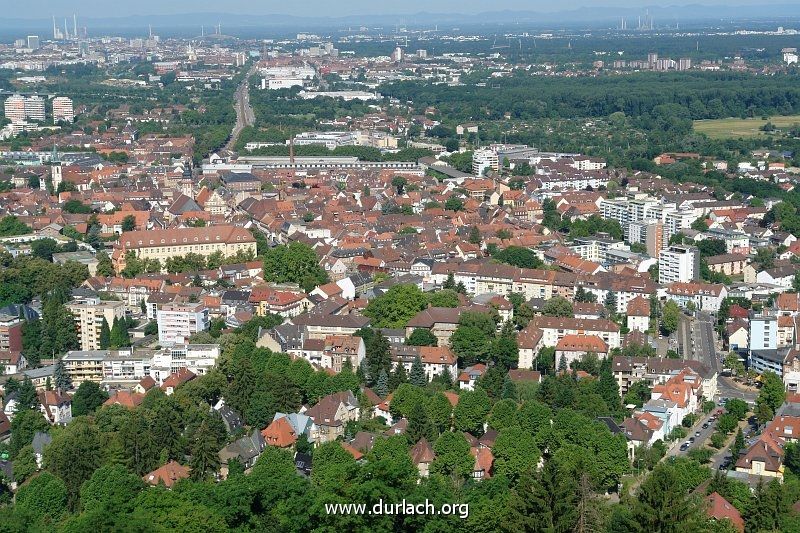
[[245, 116]]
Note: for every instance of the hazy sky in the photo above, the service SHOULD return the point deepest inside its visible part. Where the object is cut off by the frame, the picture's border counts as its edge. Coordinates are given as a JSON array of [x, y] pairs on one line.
[[117, 8]]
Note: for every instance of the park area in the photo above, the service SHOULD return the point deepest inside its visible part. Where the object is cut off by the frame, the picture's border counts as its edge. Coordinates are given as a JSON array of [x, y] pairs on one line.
[[734, 128]]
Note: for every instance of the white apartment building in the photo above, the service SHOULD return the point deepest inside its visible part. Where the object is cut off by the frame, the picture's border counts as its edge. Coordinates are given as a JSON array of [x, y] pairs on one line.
[[63, 110], [483, 159], [34, 108], [198, 358], [178, 322], [126, 367], [678, 263], [89, 314], [14, 109]]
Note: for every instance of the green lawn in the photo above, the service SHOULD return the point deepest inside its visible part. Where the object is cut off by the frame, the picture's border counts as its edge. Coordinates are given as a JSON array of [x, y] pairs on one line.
[[733, 128]]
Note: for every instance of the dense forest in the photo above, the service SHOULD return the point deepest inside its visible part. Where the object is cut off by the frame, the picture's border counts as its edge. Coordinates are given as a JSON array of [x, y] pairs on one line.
[[702, 95]]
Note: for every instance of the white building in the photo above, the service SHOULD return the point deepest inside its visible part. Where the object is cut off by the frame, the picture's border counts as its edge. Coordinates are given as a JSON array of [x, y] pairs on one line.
[[678, 263], [198, 358], [14, 108], [34, 108], [63, 110], [483, 159], [178, 322]]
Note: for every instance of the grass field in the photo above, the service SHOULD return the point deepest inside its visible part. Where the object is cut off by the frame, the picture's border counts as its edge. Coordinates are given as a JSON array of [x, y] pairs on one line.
[[733, 128]]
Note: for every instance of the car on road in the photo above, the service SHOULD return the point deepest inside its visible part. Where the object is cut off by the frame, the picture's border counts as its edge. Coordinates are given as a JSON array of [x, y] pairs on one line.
[[696, 433], [706, 425], [684, 446]]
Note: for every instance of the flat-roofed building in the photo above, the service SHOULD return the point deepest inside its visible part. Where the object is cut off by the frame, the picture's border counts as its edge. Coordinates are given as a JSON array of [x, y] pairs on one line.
[[89, 314]]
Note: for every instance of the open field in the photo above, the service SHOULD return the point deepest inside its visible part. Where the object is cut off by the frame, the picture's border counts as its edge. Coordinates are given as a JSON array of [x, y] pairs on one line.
[[733, 128]]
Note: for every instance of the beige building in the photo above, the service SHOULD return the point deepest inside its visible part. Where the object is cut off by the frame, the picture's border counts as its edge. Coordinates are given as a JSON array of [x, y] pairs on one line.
[[177, 242], [85, 365], [89, 314], [63, 110]]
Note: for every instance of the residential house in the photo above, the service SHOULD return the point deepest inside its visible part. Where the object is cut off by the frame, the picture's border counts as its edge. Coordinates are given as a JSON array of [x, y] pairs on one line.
[[168, 475]]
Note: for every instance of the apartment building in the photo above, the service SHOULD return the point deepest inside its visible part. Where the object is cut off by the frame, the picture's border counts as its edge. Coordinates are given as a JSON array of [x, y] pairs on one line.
[[178, 322], [556, 328], [10, 333], [89, 314], [177, 242], [197, 358], [85, 365], [678, 264], [483, 159], [63, 110]]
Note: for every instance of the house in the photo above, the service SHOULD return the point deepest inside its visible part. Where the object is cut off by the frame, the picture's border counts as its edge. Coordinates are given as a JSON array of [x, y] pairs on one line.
[[441, 321], [341, 348], [764, 458], [470, 376], [718, 508], [573, 347], [5, 426], [145, 384], [245, 450], [176, 379], [555, 328], [168, 475], [638, 314], [331, 414], [438, 360], [422, 455], [737, 335], [125, 398], [41, 441], [484, 460], [231, 419], [280, 433], [57, 407]]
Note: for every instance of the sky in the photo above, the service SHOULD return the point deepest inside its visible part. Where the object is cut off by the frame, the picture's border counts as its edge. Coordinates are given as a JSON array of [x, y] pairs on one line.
[[121, 8]]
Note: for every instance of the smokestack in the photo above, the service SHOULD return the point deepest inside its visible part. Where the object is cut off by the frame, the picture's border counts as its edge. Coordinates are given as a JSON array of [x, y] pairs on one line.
[[66, 29], [55, 29], [74, 25]]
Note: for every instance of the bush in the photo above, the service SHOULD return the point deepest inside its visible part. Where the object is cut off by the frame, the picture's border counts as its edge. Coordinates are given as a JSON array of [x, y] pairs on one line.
[[718, 440], [701, 455]]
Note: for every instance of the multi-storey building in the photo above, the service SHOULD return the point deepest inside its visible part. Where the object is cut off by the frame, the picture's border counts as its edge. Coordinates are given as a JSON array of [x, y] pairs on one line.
[[678, 263], [177, 242], [198, 358], [483, 159], [34, 108], [14, 108], [85, 365], [178, 322], [10, 333], [63, 110], [89, 314]]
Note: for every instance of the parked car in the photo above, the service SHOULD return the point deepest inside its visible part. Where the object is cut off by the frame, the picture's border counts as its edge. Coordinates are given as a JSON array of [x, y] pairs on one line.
[[684, 446], [696, 433]]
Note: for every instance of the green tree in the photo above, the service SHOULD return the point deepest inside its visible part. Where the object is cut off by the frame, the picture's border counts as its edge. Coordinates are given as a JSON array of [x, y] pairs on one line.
[[471, 411], [417, 376], [24, 464], [74, 455], [105, 335], [772, 394], [105, 267], [515, 452], [475, 235], [205, 449], [558, 306], [670, 315], [43, 500], [396, 307], [111, 489], [661, 505], [61, 378], [295, 263], [88, 398], [129, 223], [452, 456]]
